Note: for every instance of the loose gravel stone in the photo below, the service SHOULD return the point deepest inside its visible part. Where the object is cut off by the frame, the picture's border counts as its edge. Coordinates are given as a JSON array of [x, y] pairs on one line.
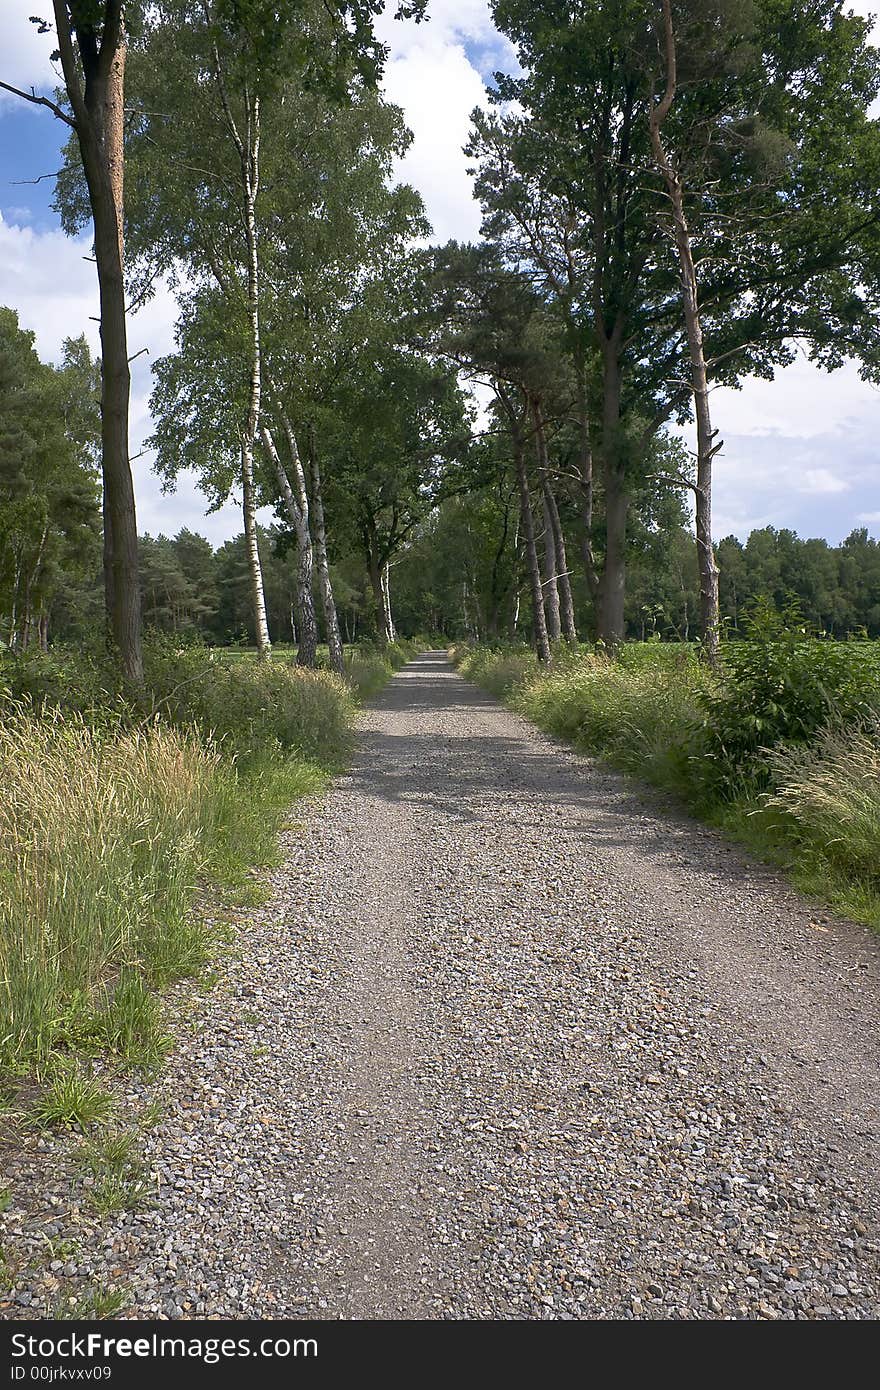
[[510, 1040]]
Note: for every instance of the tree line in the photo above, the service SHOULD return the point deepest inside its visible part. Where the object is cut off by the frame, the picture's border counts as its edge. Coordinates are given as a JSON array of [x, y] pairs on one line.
[[674, 193]]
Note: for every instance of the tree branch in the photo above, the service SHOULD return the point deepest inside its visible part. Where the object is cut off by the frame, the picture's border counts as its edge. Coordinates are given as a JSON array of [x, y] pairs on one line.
[[56, 110]]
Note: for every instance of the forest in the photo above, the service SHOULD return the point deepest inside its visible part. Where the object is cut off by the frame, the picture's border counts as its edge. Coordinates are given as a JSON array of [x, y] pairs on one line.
[[490, 425], [504, 447]]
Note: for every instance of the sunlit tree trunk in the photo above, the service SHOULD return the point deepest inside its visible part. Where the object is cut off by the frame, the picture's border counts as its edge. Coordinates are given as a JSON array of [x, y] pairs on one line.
[[296, 506], [709, 609], [252, 549]]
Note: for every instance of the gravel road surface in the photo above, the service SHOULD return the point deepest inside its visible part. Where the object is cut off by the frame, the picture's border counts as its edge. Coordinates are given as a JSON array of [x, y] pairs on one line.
[[510, 1040]]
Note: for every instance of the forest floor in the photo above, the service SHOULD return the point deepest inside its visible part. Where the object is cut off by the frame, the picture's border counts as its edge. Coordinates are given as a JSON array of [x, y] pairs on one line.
[[511, 1039]]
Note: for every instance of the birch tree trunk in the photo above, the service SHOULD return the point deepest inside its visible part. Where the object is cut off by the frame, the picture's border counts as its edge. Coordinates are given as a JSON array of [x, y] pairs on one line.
[[390, 634], [255, 570], [566, 601], [710, 625], [550, 584], [296, 505], [331, 618], [247, 145], [539, 621]]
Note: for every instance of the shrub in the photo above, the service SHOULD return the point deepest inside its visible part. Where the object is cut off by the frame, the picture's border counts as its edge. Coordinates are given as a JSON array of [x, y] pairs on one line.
[[248, 706], [781, 685], [500, 670]]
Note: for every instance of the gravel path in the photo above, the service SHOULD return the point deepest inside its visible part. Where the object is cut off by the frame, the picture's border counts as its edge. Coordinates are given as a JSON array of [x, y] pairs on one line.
[[510, 1041]]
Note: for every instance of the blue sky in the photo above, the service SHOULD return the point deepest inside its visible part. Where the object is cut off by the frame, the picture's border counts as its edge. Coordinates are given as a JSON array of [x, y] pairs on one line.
[[803, 451]]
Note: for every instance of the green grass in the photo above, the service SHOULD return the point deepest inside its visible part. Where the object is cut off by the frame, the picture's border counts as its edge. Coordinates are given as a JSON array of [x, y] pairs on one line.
[[117, 1173], [97, 1304], [72, 1097]]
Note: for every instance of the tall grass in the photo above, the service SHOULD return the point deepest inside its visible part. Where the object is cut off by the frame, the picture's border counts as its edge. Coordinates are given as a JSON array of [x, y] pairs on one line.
[[830, 791], [369, 666], [102, 837]]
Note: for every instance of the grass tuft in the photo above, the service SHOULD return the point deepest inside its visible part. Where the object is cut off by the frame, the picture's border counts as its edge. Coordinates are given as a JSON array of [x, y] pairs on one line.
[[73, 1097]]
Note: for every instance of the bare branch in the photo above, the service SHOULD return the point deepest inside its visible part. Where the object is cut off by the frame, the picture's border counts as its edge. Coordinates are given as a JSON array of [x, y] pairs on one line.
[[32, 97]]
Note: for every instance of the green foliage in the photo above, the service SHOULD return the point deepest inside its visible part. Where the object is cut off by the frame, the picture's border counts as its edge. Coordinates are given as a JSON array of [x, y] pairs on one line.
[[49, 512], [252, 707], [780, 685]]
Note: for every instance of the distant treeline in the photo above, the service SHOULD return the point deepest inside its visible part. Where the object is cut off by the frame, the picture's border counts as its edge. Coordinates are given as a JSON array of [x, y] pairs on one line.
[[195, 591]]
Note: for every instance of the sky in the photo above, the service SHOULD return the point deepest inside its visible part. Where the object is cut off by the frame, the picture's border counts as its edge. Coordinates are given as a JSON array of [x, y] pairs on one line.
[[802, 451]]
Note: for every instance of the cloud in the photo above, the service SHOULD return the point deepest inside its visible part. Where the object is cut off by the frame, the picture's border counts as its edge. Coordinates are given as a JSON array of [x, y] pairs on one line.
[[25, 61], [47, 278], [868, 516], [438, 88], [821, 481]]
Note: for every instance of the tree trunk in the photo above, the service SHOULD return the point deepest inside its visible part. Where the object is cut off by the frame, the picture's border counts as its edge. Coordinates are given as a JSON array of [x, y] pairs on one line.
[[331, 618], [585, 479], [566, 601], [550, 584], [374, 570], [258, 597], [710, 626], [612, 586], [100, 132], [297, 508], [388, 618], [44, 632], [539, 621]]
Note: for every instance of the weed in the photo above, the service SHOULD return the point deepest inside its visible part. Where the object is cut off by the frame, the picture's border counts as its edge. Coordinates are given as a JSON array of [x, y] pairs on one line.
[[98, 1303], [72, 1098], [113, 1161]]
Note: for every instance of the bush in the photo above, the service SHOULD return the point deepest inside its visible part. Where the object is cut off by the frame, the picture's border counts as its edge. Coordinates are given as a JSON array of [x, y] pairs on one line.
[[500, 670], [251, 707], [780, 686]]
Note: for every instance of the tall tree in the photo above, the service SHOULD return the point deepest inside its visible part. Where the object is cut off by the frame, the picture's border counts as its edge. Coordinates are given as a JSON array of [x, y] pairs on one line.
[[787, 234], [92, 45], [710, 629]]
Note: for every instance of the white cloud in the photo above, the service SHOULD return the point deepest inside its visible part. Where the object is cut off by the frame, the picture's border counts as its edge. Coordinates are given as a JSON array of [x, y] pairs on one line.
[[25, 55], [822, 481], [438, 88], [868, 517], [46, 277]]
